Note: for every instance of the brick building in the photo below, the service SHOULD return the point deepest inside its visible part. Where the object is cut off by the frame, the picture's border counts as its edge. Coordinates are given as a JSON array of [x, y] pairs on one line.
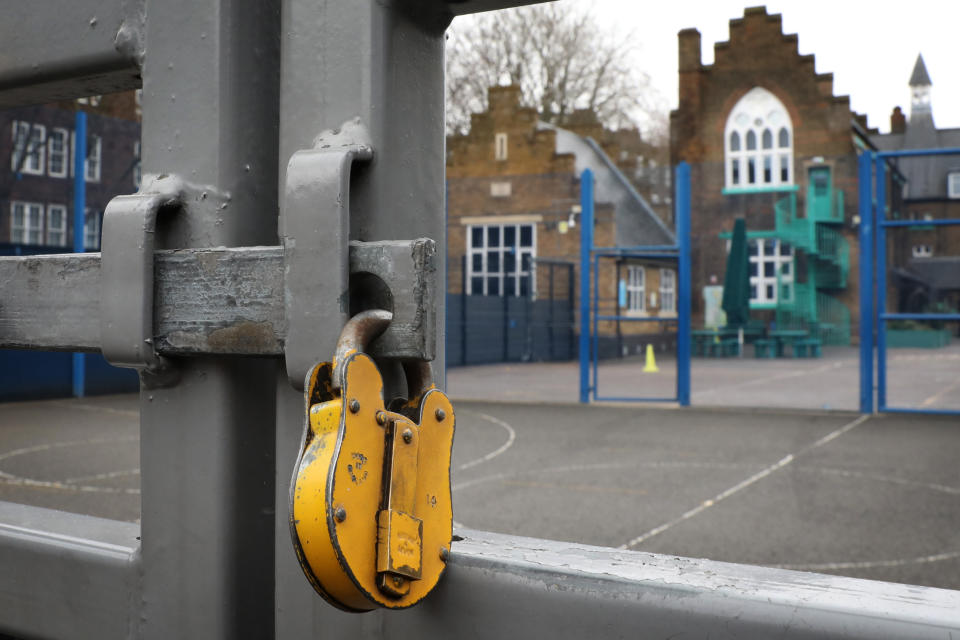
[[36, 192], [513, 200], [768, 141], [924, 260]]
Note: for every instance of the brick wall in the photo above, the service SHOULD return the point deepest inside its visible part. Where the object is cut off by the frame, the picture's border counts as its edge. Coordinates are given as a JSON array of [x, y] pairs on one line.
[[532, 181], [758, 54], [114, 120]]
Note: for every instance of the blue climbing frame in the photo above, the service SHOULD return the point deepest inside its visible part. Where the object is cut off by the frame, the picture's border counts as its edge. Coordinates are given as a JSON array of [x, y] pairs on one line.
[[873, 277], [589, 290]]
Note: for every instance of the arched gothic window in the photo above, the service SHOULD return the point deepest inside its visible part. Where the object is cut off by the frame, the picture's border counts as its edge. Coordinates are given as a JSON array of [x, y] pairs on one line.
[[758, 142]]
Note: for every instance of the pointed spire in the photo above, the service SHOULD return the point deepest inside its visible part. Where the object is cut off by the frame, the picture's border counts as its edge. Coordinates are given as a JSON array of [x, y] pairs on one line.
[[920, 77]]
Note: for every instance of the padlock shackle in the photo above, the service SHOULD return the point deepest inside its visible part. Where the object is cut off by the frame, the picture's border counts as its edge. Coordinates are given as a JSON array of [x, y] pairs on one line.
[[356, 336], [357, 333]]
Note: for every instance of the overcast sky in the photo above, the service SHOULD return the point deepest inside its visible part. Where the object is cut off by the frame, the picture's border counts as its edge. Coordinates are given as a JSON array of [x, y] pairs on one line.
[[869, 46]]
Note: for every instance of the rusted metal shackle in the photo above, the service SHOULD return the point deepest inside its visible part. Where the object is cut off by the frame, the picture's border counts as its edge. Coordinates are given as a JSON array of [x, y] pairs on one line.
[[356, 336]]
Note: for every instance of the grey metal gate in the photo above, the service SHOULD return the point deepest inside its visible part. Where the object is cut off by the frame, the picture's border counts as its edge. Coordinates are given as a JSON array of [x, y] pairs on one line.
[[329, 114]]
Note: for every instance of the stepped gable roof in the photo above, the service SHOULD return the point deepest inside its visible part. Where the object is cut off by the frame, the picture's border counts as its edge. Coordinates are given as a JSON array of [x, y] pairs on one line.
[[636, 223]]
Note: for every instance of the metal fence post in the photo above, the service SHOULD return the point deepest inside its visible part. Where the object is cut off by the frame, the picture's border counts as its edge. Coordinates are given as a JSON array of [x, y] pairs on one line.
[[682, 186], [880, 263], [377, 67], [79, 218], [207, 463], [586, 246], [865, 197]]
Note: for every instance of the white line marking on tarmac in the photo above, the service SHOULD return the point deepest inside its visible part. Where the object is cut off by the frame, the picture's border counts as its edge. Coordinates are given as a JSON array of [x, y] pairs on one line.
[[55, 445], [14, 480], [870, 564], [780, 376], [929, 401], [706, 504], [511, 436], [109, 475]]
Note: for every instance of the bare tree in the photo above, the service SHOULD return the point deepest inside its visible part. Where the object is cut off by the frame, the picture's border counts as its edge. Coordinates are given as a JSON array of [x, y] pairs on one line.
[[561, 59]]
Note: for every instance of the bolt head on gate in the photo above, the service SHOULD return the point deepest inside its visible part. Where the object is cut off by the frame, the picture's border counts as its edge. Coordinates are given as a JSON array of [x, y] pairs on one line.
[[371, 512]]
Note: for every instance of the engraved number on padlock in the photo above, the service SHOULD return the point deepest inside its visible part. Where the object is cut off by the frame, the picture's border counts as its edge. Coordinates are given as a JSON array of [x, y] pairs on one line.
[[370, 507]]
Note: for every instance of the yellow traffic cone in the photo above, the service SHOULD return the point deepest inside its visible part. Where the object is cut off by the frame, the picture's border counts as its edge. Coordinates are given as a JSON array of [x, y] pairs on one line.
[[651, 365]]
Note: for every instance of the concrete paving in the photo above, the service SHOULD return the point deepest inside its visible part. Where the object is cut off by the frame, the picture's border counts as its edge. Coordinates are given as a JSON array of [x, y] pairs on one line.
[[917, 378], [875, 497]]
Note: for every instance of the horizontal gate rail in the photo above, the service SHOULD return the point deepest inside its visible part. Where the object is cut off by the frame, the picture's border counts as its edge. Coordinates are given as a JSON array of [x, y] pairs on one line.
[[70, 576], [67, 575], [522, 587], [227, 301], [82, 47]]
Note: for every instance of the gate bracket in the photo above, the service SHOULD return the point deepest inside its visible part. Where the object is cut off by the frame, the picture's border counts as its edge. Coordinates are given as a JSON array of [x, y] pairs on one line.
[[126, 284]]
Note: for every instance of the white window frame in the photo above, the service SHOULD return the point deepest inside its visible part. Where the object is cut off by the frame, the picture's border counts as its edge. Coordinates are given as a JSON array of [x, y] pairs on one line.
[[636, 289], [29, 140], [63, 153], [668, 291], [499, 277], [782, 263], [922, 251], [953, 185], [29, 224], [56, 233], [93, 162], [500, 146], [91, 229], [758, 116]]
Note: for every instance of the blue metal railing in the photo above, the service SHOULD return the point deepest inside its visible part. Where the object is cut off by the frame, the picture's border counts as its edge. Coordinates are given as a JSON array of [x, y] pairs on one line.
[[873, 319], [590, 315]]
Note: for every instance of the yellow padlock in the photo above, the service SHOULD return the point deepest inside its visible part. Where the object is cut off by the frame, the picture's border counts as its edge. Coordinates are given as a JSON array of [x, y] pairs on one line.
[[371, 516]]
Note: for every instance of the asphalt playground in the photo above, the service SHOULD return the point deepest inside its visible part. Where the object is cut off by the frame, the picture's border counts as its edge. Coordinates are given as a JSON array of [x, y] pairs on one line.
[[830, 491]]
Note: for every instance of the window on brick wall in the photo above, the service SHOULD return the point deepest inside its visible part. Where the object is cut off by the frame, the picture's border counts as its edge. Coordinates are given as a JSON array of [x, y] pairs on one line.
[[92, 164], [57, 152], [500, 259], [29, 146], [636, 283], [26, 222], [758, 141], [91, 229], [668, 291], [500, 146], [771, 269], [953, 184], [56, 225]]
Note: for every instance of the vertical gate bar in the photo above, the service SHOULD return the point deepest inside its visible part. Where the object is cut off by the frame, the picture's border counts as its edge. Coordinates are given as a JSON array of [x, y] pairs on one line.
[[880, 259], [552, 321], [463, 312], [207, 461], [586, 246], [378, 65], [79, 360], [595, 323], [865, 198], [571, 307], [682, 186]]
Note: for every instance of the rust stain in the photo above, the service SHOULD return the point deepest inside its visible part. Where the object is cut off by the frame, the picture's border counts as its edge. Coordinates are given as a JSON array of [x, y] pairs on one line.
[[243, 337]]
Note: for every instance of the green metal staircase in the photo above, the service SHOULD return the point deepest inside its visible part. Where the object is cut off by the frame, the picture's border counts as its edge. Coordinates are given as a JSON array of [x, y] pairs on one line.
[[810, 304]]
